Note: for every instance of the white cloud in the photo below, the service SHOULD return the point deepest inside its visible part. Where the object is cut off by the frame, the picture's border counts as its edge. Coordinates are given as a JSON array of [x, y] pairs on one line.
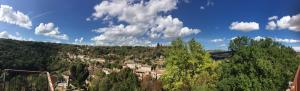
[[18, 34], [172, 28], [233, 38], [285, 40], [217, 40], [88, 19], [120, 35], [54, 41], [79, 40], [244, 26], [283, 23], [202, 7], [138, 22], [286, 22], [223, 45], [50, 30], [6, 35], [271, 25], [30, 39], [186, 1], [296, 48], [9, 15], [273, 18], [210, 3], [259, 38], [295, 23]]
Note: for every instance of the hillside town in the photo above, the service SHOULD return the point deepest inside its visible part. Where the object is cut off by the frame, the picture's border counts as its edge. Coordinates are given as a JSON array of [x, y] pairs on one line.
[[155, 70]]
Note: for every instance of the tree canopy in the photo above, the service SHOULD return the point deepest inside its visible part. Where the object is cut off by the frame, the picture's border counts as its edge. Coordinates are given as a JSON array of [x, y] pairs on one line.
[[188, 67], [258, 65], [79, 73], [125, 80], [253, 65]]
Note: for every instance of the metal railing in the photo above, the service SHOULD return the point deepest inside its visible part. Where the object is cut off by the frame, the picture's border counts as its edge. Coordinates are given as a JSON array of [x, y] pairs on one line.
[[295, 85], [25, 80]]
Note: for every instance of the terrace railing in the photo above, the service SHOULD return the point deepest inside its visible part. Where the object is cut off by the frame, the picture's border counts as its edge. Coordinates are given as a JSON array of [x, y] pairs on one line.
[[25, 80], [295, 85]]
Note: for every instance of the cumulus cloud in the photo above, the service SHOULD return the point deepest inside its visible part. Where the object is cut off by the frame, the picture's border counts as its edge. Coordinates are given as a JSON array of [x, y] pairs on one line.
[[50, 30], [138, 22], [286, 22], [259, 38], [273, 18], [6, 35], [283, 40], [220, 42], [78, 40], [283, 23], [209, 3], [233, 38], [244, 26], [217, 40], [186, 1], [271, 25], [9, 15], [296, 48], [202, 7]]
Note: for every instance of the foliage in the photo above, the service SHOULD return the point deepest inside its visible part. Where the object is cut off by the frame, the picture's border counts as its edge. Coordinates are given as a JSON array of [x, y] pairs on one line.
[[110, 65], [56, 58], [188, 66], [15, 81], [52, 57], [238, 42], [30, 56], [150, 84], [258, 65], [125, 80], [79, 73], [96, 80]]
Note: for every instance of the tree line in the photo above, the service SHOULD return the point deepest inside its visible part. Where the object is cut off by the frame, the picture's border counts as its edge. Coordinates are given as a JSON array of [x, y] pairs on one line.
[[255, 65]]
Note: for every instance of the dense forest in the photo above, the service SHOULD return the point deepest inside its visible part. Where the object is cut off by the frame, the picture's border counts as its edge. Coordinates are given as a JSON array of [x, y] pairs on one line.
[[63, 59], [250, 65], [45, 56], [254, 65]]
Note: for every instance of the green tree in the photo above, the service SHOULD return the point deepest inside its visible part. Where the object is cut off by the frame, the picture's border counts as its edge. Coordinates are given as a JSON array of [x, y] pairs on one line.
[[79, 73], [239, 42], [125, 80], [258, 65], [188, 67], [96, 81]]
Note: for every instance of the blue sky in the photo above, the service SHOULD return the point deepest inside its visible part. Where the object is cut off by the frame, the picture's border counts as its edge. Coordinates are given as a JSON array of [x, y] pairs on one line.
[[134, 22]]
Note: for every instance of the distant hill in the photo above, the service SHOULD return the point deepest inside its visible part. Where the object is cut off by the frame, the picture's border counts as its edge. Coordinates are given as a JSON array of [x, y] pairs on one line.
[[30, 55], [220, 55]]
